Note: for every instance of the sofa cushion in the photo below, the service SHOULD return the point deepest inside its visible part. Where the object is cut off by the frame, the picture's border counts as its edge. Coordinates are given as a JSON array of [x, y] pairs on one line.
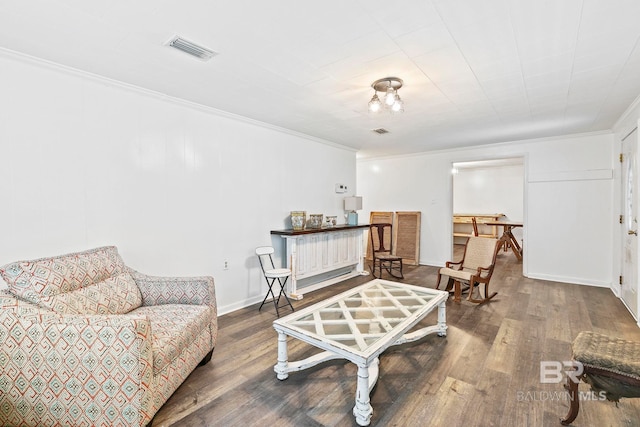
[[114, 295], [89, 282], [174, 327], [26, 310]]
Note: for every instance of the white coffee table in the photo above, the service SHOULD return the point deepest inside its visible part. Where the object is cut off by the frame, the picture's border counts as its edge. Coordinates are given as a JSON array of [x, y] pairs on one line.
[[358, 325]]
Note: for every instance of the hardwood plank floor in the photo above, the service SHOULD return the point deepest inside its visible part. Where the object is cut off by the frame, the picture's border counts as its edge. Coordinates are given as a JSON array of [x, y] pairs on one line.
[[484, 373]]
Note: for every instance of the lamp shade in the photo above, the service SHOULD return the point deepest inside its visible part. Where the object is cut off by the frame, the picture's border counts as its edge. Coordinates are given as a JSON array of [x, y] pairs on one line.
[[353, 203]]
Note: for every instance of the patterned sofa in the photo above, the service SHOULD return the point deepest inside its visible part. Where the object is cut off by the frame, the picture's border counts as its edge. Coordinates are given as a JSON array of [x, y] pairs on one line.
[[87, 341]]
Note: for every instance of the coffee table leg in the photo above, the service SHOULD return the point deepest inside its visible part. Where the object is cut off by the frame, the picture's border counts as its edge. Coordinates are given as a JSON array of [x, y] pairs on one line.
[[363, 410], [282, 366], [442, 319]]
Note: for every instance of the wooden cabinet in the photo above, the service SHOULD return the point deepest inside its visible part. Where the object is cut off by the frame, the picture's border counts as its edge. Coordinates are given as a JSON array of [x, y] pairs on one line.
[[321, 257], [463, 227]]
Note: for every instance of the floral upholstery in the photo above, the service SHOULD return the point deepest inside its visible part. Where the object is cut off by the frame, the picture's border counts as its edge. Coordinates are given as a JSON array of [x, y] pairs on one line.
[[608, 353], [38, 279], [84, 340], [174, 328]]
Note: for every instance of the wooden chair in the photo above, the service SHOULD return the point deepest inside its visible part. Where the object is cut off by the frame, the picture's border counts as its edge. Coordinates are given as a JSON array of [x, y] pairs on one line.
[[383, 256], [609, 365], [474, 222], [475, 268]]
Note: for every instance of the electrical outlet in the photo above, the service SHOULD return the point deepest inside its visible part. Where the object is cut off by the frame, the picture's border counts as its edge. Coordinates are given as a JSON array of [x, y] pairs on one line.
[[225, 265]]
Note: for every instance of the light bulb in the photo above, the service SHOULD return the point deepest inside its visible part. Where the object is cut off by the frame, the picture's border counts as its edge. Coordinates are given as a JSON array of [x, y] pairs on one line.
[[390, 96], [398, 105], [375, 105]]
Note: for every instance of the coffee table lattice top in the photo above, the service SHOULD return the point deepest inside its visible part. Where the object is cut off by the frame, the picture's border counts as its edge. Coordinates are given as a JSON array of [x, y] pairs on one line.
[[359, 319]]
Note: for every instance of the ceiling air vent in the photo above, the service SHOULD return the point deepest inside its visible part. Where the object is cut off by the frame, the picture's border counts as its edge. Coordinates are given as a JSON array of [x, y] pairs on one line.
[[186, 46], [380, 131]]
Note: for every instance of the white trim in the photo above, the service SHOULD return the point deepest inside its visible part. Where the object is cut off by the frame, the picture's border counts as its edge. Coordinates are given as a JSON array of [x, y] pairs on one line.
[[487, 146], [630, 311], [570, 280], [627, 112], [524, 157], [226, 309], [431, 263], [586, 175]]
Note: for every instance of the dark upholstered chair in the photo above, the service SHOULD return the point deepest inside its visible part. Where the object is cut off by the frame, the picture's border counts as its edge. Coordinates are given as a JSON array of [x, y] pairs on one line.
[[609, 365]]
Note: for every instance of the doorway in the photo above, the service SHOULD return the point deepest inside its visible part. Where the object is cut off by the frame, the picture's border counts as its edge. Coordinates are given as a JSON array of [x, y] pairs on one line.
[[629, 223], [488, 188]]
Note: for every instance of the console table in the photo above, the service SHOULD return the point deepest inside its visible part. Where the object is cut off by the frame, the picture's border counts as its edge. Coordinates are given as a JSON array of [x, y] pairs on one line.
[[322, 257]]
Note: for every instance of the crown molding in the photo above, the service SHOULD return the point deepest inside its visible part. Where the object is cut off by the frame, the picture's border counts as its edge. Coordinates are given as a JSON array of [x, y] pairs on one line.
[[44, 63], [487, 146]]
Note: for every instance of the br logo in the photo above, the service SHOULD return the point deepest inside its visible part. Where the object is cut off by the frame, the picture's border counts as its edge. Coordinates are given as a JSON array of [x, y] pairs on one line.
[[552, 371]]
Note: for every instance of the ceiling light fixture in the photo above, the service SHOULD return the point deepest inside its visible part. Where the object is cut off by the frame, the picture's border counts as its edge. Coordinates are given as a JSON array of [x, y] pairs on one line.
[[391, 100]]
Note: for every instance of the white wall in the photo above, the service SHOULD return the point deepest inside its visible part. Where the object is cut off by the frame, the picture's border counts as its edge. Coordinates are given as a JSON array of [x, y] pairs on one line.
[[178, 188], [490, 189], [568, 191]]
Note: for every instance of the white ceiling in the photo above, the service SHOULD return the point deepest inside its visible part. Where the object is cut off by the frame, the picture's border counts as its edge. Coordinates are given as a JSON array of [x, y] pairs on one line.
[[475, 72]]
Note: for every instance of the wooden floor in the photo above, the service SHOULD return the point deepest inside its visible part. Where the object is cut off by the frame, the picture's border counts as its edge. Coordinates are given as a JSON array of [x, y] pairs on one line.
[[486, 372]]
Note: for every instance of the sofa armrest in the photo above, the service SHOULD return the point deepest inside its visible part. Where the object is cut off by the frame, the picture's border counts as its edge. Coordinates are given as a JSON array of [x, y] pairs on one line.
[[158, 290], [73, 369]]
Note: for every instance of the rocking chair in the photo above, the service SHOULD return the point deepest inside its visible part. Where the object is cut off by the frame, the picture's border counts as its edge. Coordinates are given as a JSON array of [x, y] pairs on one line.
[[475, 268]]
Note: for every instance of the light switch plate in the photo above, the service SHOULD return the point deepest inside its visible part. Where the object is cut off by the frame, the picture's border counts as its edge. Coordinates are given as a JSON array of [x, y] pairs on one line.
[[341, 188]]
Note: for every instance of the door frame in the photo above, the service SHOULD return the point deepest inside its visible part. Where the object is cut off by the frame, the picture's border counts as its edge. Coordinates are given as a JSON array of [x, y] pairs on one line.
[[525, 198], [621, 229]]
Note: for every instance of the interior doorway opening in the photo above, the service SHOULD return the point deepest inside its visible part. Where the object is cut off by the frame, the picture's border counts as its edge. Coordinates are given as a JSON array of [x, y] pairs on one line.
[[487, 190], [629, 223]]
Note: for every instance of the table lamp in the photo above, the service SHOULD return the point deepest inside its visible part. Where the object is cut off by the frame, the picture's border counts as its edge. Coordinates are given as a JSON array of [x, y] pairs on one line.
[[352, 204]]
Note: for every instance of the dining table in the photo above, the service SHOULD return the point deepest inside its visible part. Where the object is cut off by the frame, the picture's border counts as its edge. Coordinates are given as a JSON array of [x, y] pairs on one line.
[[508, 238]]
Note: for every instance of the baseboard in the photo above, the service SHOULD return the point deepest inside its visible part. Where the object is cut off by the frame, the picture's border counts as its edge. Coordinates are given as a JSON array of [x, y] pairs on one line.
[[225, 309], [571, 280], [431, 263]]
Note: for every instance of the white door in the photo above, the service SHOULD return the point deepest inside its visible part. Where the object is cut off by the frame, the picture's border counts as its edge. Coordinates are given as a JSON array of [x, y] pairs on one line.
[[629, 227]]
